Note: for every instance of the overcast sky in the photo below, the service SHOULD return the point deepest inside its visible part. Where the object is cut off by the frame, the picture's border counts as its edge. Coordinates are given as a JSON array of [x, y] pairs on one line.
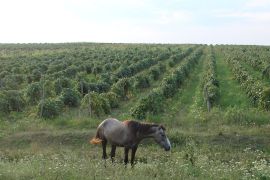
[[136, 21]]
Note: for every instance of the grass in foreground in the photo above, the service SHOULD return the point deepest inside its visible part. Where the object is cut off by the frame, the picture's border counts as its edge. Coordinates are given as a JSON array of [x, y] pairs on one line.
[[66, 155]]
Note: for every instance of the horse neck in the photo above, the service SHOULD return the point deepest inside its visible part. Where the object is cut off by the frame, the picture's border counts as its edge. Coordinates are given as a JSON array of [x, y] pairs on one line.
[[145, 131]]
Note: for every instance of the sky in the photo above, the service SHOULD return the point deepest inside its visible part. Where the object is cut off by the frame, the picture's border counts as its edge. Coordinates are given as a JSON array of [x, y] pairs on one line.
[[136, 21]]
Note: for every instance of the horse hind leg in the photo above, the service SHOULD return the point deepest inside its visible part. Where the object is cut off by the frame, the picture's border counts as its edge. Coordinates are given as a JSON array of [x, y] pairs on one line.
[[133, 152], [126, 155], [113, 152], [104, 144]]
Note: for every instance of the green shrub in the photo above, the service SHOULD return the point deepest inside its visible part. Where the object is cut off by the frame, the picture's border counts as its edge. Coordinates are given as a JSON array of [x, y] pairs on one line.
[[3, 74], [61, 83], [97, 69], [88, 68], [11, 100], [97, 103], [71, 71], [98, 87], [122, 88], [105, 104], [123, 72], [36, 75], [34, 92], [265, 99], [4, 106], [50, 108], [106, 78], [155, 73], [169, 86], [15, 99], [108, 67], [153, 103], [141, 81], [70, 97], [112, 98], [171, 63], [213, 93], [12, 81], [82, 87]]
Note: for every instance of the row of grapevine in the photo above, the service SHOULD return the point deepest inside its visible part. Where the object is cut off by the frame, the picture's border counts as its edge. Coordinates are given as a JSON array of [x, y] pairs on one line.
[[142, 80], [106, 81], [154, 101], [209, 83], [57, 75], [91, 63], [95, 102], [125, 86], [256, 91], [257, 58]]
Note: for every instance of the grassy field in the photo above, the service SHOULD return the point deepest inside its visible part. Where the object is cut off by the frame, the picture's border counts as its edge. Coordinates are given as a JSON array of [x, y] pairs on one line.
[[230, 142], [200, 151]]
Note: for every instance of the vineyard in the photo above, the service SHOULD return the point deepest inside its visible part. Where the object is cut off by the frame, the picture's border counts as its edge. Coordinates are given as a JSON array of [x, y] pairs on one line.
[[93, 77], [221, 90], [49, 80]]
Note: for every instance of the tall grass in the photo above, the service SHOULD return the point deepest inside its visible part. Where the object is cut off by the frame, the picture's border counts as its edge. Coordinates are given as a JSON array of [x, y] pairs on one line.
[[190, 158]]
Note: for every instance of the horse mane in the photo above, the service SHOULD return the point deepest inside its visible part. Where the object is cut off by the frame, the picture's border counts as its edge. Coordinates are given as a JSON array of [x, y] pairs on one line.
[[144, 128]]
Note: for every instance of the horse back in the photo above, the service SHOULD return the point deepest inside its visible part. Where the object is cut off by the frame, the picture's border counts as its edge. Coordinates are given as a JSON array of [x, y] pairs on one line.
[[114, 131]]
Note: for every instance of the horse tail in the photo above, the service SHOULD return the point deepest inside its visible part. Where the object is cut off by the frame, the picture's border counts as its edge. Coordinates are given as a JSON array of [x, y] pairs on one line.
[[96, 139]]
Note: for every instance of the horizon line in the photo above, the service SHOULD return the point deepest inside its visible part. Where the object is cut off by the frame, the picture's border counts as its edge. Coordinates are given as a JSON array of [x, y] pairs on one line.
[[149, 43]]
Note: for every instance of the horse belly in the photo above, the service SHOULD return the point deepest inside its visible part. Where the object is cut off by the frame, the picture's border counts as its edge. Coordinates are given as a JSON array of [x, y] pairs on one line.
[[116, 137], [115, 132]]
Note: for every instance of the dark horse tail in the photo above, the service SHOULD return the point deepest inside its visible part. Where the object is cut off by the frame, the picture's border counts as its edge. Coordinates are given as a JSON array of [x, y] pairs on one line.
[[96, 139]]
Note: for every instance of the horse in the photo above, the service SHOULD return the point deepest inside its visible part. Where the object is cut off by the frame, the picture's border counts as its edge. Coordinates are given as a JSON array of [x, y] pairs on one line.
[[128, 134]]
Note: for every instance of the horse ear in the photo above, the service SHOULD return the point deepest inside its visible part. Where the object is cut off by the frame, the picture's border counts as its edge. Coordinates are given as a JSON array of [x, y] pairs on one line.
[[162, 127]]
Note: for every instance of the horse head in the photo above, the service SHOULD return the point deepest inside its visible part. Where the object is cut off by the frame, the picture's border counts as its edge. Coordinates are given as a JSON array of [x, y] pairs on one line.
[[161, 138]]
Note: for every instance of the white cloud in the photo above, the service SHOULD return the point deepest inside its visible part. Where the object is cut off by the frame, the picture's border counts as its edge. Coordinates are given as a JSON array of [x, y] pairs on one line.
[[254, 11], [250, 16], [110, 21], [168, 17], [37, 21], [257, 3]]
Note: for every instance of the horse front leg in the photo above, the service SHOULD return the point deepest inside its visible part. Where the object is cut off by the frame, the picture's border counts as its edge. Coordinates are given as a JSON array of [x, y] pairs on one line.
[[133, 152], [126, 155], [104, 143], [113, 152]]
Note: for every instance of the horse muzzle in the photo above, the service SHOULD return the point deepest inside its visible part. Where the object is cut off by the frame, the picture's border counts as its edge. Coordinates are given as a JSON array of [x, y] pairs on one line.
[[168, 145], [167, 148]]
